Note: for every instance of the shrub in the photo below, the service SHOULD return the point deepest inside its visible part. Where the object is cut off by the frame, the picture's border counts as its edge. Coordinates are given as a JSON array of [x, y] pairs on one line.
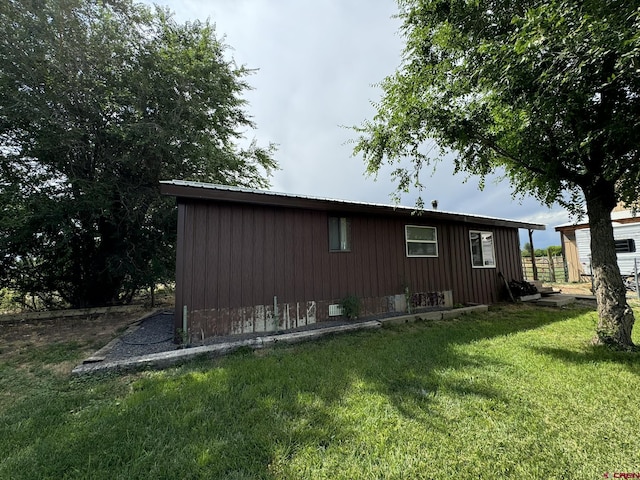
[[350, 306]]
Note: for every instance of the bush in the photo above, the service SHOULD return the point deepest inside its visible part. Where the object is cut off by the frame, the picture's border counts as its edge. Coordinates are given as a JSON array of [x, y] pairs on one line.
[[541, 252], [9, 303], [350, 306]]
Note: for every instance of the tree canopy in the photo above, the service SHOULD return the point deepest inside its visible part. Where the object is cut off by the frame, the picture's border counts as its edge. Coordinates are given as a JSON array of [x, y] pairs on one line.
[[553, 250], [546, 92], [99, 100]]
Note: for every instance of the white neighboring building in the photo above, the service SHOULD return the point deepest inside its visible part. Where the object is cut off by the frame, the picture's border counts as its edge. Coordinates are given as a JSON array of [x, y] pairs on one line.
[[576, 248]]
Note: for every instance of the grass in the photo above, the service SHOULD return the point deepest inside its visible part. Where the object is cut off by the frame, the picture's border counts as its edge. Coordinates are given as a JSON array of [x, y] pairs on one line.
[[514, 393]]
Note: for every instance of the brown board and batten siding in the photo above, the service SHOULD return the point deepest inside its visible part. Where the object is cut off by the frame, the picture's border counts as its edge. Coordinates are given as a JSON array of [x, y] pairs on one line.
[[244, 257]]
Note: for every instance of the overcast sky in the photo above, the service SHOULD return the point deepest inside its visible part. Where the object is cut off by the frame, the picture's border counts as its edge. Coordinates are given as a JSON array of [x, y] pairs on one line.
[[318, 64]]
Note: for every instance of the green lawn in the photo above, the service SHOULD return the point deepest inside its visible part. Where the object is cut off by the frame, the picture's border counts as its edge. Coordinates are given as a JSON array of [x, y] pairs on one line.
[[514, 393]]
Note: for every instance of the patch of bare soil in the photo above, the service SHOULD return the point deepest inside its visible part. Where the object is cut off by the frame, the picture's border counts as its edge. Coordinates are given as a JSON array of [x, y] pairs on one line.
[[573, 288], [87, 333], [585, 289]]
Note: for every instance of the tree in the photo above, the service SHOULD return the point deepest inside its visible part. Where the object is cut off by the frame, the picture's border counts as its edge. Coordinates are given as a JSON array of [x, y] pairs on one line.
[[545, 93], [554, 250], [99, 100]]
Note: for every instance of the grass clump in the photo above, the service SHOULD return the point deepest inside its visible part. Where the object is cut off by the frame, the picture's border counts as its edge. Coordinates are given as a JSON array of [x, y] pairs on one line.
[[517, 392]]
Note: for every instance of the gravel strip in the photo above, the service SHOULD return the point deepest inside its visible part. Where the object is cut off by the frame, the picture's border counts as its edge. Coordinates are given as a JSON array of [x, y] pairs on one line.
[[155, 334]]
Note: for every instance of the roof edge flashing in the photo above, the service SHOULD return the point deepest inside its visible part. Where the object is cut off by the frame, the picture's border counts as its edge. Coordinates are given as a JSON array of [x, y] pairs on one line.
[[234, 194]]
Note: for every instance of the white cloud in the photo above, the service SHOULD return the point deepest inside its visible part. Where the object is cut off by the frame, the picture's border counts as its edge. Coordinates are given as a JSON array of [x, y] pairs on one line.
[[318, 63]]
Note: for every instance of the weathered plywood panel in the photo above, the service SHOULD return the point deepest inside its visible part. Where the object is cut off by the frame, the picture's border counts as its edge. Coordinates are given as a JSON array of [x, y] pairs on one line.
[[574, 267]]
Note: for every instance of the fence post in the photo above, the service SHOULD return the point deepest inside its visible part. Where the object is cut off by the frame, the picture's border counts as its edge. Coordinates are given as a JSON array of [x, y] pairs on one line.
[[533, 256], [635, 276], [552, 267]]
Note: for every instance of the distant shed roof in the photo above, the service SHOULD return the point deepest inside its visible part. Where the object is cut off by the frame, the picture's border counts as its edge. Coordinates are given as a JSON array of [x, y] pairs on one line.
[[226, 193], [618, 217]]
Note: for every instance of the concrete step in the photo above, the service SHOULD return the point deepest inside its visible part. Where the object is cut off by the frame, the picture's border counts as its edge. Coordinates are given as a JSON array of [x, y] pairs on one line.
[[530, 298], [556, 301]]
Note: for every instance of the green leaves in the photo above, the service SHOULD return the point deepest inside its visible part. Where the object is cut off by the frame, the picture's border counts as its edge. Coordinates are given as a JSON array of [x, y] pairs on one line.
[[541, 90], [546, 92], [98, 102]]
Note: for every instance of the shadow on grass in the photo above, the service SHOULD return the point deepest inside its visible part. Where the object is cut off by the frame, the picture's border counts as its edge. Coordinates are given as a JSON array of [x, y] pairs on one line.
[[594, 354], [252, 414]]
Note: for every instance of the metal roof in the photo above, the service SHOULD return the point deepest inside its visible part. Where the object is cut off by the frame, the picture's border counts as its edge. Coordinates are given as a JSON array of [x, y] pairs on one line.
[[226, 193], [618, 217]]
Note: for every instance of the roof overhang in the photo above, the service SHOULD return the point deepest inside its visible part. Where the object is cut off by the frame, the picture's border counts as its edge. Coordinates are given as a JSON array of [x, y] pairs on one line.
[[223, 193], [571, 227], [621, 217]]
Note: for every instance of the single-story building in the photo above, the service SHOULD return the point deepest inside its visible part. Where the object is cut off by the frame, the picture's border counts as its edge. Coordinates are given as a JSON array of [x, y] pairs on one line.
[[252, 261], [575, 239]]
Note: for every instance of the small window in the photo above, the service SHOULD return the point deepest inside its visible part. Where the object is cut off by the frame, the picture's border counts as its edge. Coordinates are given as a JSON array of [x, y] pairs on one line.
[[627, 245], [339, 234], [421, 241], [482, 251]]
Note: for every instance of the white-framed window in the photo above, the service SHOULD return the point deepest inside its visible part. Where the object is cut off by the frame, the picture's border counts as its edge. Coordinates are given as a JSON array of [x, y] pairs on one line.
[[339, 234], [483, 254], [421, 241]]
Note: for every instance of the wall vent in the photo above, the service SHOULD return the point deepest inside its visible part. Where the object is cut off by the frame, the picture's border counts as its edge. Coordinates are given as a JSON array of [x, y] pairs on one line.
[[335, 310]]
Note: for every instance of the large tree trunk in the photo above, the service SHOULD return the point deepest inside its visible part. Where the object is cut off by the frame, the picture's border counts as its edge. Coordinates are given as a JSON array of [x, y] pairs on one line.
[[615, 316]]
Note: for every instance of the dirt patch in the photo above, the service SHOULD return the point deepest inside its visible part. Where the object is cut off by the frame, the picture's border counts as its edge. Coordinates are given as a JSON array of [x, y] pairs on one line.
[[585, 289], [84, 334], [572, 288]]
